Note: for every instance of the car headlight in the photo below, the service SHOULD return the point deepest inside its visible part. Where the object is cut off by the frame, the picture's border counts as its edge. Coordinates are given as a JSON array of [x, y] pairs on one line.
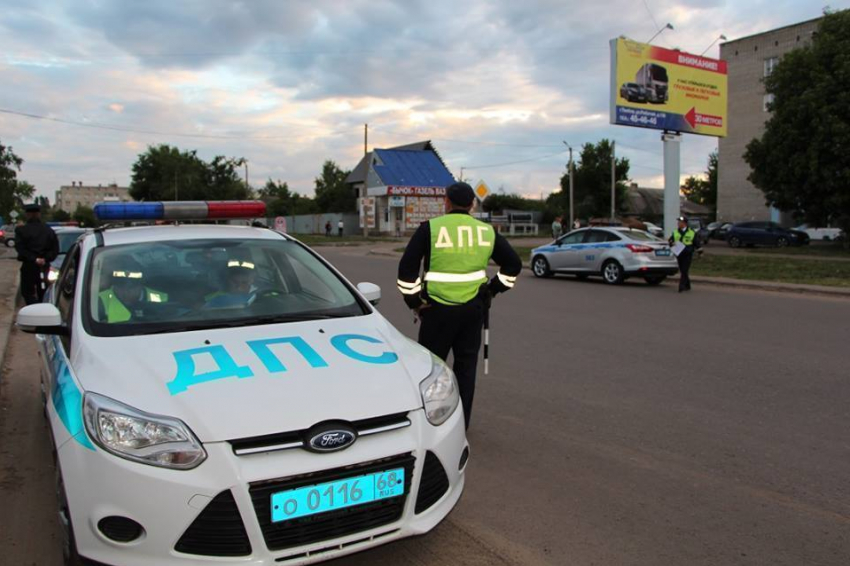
[[52, 275], [439, 392], [135, 435]]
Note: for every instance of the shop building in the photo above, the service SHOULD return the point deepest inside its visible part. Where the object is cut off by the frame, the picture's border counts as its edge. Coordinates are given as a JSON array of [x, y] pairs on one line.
[[400, 187]]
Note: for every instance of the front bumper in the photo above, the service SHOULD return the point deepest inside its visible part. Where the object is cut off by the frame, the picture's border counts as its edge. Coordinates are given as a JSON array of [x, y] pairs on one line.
[[167, 502]]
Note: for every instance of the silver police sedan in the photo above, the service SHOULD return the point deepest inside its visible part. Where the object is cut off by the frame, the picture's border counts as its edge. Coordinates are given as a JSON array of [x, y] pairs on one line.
[[612, 252]]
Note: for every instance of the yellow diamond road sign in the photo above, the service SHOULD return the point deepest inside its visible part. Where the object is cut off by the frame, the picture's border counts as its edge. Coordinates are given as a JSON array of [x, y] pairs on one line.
[[482, 190]]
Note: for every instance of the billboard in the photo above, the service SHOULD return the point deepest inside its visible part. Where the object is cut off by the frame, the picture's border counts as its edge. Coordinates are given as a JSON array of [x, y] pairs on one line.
[[663, 89]]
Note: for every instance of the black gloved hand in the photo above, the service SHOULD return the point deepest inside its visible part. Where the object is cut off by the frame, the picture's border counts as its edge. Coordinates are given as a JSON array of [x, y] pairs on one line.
[[486, 295]]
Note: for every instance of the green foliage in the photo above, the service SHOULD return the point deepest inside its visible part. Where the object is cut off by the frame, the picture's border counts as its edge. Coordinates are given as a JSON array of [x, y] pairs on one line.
[[59, 215], [499, 202], [12, 191], [167, 173], [85, 216], [801, 163], [703, 190], [281, 201], [332, 194], [592, 183]]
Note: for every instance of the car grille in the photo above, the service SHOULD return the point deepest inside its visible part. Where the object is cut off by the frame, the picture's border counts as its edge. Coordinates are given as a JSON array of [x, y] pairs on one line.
[[433, 485], [332, 524], [296, 438], [217, 531]]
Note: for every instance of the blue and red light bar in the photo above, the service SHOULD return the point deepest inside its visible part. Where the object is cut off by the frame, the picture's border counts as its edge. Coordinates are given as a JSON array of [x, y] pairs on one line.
[[180, 210]]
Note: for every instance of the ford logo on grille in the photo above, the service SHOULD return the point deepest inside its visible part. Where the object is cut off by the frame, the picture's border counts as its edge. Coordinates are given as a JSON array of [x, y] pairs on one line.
[[330, 437]]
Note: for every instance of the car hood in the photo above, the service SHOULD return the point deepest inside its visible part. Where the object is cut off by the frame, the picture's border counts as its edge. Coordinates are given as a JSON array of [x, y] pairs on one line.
[[242, 382]]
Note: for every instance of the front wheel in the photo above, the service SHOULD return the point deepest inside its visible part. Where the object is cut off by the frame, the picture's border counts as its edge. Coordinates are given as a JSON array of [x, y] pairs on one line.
[[540, 267], [10, 243], [782, 242], [655, 279], [735, 242], [612, 272], [69, 544]]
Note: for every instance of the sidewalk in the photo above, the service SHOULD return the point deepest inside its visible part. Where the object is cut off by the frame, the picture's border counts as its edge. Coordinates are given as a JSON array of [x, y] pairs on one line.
[[8, 297]]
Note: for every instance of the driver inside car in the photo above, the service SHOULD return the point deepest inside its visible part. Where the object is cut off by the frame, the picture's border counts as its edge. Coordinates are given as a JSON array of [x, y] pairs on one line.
[[128, 294], [240, 289]]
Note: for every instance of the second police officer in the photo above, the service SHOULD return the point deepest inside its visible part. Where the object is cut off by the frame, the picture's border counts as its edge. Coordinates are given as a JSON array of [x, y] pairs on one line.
[[685, 235], [453, 294]]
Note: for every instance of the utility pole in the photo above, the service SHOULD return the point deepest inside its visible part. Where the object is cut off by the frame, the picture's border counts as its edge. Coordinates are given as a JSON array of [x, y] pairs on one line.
[[363, 190], [613, 179], [245, 162], [461, 175], [571, 169], [365, 139]]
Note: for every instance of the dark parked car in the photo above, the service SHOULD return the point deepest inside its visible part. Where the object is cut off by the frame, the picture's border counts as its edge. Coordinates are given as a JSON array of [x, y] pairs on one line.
[[718, 230], [764, 234], [698, 225], [633, 92]]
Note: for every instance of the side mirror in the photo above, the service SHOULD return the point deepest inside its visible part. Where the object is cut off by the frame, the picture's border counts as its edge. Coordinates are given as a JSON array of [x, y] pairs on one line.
[[41, 318], [370, 292]]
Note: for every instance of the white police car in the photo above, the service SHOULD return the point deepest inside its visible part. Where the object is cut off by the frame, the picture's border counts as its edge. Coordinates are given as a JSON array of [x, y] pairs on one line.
[[221, 394]]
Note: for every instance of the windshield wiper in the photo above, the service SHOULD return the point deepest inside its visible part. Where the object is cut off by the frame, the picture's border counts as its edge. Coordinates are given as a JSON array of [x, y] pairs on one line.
[[214, 324]]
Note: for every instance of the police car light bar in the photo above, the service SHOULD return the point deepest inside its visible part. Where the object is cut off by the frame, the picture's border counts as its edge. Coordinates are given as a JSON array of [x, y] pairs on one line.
[[180, 210]]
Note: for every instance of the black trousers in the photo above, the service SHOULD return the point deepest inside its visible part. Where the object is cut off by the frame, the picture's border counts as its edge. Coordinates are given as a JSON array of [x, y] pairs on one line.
[[456, 329], [684, 260], [32, 289]]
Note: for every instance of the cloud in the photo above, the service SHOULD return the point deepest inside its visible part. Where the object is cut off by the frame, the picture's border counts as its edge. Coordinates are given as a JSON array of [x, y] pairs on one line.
[[289, 85]]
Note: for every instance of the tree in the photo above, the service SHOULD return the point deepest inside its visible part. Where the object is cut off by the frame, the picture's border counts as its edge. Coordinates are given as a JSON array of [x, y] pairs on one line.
[[12, 191], [801, 162], [167, 173], [85, 216], [703, 191], [592, 183], [332, 194], [497, 202], [281, 201], [59, 215]]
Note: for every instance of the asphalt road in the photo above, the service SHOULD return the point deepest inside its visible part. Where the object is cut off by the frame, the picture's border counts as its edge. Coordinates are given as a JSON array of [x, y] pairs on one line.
[[619, 426]]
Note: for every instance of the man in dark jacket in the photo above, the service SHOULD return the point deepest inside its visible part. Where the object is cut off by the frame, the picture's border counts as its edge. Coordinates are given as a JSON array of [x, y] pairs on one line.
[[453, 295], [37, 245]]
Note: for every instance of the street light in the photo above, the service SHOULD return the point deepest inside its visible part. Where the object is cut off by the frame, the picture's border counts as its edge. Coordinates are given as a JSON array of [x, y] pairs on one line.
[[719, 37], [668, 26]]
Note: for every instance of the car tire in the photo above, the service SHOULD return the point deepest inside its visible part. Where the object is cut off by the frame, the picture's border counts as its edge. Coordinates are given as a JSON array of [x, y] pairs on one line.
[[782, 242], [612, 272], [734, 242], [10, 243], [654, 279], [540, 267], [70, 556]]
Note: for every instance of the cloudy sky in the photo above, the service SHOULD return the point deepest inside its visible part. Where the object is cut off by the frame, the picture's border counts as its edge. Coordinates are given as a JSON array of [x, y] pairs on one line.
[[497, 85]]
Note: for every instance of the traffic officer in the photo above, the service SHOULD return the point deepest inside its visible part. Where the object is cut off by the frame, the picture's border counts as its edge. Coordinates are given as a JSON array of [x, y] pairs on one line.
[[687, 237], [128, 295], [37, 245], [453, 295]]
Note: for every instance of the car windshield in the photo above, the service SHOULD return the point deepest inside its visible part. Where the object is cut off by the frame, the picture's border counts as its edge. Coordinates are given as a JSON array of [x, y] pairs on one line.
[[187, 285], [67, 239]]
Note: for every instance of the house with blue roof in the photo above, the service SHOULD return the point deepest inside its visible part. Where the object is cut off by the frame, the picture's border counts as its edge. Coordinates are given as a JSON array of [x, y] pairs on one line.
[[400, 187]]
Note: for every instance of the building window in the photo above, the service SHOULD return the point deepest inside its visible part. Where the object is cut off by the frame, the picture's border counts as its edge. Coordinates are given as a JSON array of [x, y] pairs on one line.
[[769, 65], [768, 100]]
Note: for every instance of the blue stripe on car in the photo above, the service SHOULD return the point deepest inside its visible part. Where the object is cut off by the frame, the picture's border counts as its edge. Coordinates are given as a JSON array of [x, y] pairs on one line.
[[67, 398]]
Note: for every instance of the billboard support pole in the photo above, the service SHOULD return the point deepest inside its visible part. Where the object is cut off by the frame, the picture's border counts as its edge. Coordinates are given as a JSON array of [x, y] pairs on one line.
[[672, 143]]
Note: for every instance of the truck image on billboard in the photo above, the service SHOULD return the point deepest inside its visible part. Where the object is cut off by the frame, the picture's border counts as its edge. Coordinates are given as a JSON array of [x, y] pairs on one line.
[[664, 89]]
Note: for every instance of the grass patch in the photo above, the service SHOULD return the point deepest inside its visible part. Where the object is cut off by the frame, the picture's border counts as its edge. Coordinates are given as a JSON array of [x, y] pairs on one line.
[[815, 249], [779, 269]]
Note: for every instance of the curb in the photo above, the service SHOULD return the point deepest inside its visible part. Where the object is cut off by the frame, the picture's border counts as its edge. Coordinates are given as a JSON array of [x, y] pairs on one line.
[[7, 320]]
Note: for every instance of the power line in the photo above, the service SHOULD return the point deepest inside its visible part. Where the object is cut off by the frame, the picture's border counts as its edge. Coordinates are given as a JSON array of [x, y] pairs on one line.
[[473, 142], [516, 162], [126, 129]]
